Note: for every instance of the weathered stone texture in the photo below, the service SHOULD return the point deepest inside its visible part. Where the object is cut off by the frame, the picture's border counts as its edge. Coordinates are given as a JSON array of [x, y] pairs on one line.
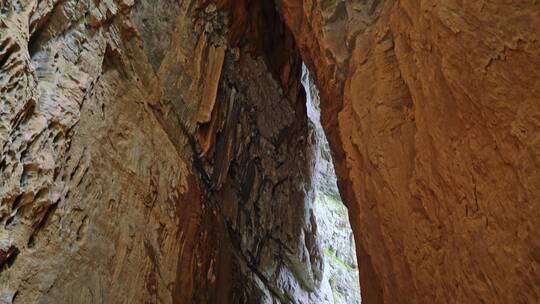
[[96, 198], [148, 157], [432, 109], [158, 151]]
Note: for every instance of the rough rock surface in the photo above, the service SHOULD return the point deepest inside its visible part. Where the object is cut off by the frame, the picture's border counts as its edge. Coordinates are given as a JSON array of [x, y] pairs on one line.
[[96, 198], [131, 172], [256, 161], [432, 112], [340, 283], [150, 155]]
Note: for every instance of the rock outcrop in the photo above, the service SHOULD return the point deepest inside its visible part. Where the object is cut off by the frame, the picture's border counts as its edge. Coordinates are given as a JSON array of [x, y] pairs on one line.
[[154, 153], [431, 109], [340, 283], [160, 151], [98, 202]]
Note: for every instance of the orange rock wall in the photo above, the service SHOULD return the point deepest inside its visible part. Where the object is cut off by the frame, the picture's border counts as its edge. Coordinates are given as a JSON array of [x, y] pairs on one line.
[[433, 113]]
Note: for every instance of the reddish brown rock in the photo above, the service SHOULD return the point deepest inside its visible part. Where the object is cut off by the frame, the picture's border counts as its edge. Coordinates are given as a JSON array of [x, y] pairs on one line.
[[159, 151], [432, 111]]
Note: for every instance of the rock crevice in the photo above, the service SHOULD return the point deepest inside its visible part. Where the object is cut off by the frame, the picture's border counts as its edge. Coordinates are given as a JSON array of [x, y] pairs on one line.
[[160, 151]]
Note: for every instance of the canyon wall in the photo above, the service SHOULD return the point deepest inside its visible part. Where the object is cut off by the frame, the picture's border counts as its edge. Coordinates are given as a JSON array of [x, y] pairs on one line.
[[334, 232], [159, 151], [98, 202], [432, 111], [151, 154]]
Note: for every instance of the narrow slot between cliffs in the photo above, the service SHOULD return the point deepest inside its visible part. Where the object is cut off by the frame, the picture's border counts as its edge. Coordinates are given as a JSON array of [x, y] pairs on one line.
[[340, 279]]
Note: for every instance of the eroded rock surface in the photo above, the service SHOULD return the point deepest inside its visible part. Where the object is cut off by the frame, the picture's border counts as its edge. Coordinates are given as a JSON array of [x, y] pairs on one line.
[[150, 155], [97, 199], [340, 282], [159, 151], [431, 109]]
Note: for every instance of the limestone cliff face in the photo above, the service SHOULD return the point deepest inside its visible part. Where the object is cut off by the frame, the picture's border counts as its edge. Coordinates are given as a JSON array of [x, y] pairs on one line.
[[432, 109], [159, 151]]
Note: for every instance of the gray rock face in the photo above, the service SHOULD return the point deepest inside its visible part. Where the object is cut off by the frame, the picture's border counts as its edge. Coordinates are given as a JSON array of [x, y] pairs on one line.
[[94, 193], [340, 279], [258, 172]]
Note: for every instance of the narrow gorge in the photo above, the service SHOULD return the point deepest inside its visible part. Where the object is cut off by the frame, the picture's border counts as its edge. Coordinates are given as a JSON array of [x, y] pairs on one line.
[[215, 151]]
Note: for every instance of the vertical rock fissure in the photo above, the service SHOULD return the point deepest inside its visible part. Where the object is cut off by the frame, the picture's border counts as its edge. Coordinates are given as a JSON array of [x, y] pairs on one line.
[[340, 282], [257, 152], [160, 150]]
